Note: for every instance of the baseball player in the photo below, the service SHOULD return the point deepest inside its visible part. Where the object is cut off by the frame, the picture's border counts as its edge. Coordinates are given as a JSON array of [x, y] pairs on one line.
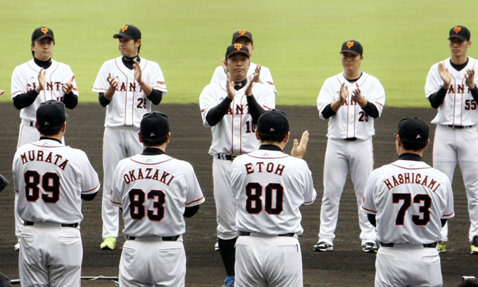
[[408, 201], [127, 86], [155, 192], [269, 187], [231, 110], [245, 38], [350, 101], [451, 88], [37, 81], [51, 180]]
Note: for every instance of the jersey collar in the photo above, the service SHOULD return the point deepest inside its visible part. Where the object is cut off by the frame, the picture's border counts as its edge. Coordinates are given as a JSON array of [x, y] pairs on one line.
[[270, 147], [152, 151], [410, 156], [52, 139]]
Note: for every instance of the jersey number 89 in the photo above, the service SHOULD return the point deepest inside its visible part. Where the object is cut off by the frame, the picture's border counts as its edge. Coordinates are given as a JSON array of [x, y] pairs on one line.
[[50, 183]]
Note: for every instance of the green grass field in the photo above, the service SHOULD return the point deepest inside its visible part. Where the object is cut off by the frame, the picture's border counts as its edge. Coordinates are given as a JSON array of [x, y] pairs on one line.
[[298, 40]]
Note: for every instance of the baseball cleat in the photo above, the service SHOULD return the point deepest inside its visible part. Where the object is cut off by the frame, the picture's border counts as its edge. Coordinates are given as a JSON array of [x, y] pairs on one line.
[[441, 246], [323, 246], [229, 281], [108, 244], [474, 245], [216, 246], [370, 247]]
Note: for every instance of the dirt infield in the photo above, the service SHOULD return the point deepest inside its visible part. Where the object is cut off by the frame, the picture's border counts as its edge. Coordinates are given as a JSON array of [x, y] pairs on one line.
[[345, 266]]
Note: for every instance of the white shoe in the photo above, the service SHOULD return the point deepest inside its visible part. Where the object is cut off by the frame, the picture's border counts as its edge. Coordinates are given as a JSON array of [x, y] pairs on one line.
[[17, 246], [216, 246]]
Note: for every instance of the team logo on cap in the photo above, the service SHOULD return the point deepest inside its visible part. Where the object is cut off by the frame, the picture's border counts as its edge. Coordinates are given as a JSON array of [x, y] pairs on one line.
[[350, 44], [44, 30], [124, 28], [238, 46], [457, 30], [242, 32]]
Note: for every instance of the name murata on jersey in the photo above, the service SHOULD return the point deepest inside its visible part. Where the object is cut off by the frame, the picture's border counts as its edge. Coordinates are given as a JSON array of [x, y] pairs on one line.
[[48, 157], [411, 178], [148, 173]]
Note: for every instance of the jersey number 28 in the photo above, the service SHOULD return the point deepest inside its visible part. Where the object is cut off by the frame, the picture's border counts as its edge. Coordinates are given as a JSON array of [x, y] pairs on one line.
[[423, 200]]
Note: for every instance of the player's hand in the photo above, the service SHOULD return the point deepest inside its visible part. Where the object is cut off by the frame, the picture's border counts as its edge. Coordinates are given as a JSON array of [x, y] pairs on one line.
[[445, 75], [344, 93], [2, 92], [254, 78], [137, 71], [113, 83], [41, 81], [358, 98], [299, 148], [231, 92], [68, 87], [470, 78]]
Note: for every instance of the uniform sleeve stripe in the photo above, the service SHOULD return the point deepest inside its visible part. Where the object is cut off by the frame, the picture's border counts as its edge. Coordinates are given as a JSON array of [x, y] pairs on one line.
[[114, 202], [92, 189], [369, 210], [195, 200], [449, 214]]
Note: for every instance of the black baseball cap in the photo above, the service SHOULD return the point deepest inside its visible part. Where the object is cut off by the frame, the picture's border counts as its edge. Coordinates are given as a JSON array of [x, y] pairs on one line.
[[352, 46], [240, 34], [237, 49], [273, 122], [128, 32], [413, 129], [154, 125], [460, 32], [51, 114], [41, 33]]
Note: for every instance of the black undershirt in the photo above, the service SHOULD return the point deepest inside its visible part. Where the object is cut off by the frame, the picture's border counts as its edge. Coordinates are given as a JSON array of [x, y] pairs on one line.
[[216, 114], [270, 147], [369, 108], [188, 211], [410, 156], [26, 99], [156, 95], [437, 98]]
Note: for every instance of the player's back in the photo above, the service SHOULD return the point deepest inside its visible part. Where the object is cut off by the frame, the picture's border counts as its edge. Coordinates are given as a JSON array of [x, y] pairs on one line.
[[50, 179], [269, 188], [412, 198], [153, 192]]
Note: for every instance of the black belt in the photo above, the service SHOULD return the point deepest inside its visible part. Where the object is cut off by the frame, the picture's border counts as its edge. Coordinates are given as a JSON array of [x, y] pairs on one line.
[[32, 124], [350, 139], [62, 224], [428, 245], [245, 233], [164, 238], [226, 156], [458, 127]]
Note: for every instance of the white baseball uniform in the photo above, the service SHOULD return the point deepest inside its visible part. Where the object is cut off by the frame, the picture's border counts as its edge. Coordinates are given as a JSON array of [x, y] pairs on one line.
[[269, 186], [409, 199], [456, 134], [349, 146], [50, 178], [123, 116], [153, 192], [219, 76], [25, 79], [233, 135]]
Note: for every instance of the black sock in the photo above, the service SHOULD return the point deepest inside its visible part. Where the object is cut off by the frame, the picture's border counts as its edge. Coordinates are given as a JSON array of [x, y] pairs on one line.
[[228, 254]]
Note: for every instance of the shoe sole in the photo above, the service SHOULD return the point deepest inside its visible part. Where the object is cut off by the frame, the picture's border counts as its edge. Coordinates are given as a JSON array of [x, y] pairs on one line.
[[323, 249]]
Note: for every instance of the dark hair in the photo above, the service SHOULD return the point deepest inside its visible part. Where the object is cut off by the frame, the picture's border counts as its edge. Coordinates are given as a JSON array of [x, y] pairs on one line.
[[51, 131], [413, 145], [271, 138], [147, 141]]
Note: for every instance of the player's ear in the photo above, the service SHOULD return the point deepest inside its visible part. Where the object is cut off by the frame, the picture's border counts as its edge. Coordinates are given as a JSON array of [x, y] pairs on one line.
[[286, 137], [428, 142], [140, 137], [257, 135], [169, 137]]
